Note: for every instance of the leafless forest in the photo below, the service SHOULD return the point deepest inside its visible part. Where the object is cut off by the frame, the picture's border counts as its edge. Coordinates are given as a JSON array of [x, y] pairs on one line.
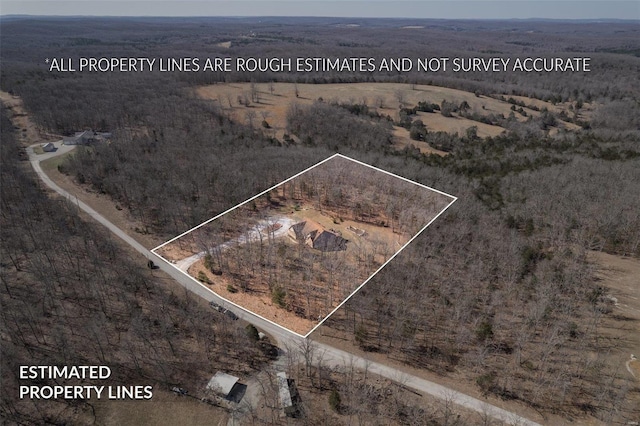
[[497, 294], [364, 216]]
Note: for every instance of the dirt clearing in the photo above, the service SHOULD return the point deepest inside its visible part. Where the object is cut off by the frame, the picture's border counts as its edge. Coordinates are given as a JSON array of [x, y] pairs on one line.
[[620, 276]]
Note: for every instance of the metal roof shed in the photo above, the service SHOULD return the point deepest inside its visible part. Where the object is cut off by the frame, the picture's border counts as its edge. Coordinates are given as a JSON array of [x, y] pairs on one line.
[[286, 401], [222, 383]]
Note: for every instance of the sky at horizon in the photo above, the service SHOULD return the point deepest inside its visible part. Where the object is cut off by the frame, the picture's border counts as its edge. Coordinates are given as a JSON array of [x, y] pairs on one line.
[[435, 9]]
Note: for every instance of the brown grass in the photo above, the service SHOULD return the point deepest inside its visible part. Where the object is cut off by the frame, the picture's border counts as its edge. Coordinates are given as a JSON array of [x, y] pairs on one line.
[[383, 97], [619, 275], [26, 130]]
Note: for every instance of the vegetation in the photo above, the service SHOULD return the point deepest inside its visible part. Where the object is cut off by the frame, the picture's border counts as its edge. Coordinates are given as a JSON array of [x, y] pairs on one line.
[[252, 332], [499, 288], [334, 400], [71, 295]]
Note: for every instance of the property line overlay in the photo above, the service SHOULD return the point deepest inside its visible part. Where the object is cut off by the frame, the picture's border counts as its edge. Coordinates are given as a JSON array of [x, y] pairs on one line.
[[337, 155]]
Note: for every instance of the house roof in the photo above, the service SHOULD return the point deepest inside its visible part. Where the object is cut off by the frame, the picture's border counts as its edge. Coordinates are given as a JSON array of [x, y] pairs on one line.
[[328, 241], [321, 239], [222, 383], [305, 229]]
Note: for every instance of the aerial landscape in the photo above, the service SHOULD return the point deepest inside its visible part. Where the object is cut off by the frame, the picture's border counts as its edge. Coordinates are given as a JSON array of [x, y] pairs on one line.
[[355, 240], [307, 244]]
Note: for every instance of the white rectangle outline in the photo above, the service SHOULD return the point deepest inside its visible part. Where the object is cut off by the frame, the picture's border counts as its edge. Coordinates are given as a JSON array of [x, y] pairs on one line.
[[454, 199]]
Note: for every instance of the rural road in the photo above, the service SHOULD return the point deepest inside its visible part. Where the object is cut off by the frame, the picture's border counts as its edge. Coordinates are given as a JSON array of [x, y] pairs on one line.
[[331, 356]]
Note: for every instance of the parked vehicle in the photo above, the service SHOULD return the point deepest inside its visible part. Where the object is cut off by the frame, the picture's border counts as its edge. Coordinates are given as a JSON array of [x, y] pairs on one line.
[[217, 307], [230, 314], [178, 390], [222, 310]]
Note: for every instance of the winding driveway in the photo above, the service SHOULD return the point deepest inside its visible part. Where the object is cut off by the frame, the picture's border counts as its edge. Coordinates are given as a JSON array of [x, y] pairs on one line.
[[253, 235]]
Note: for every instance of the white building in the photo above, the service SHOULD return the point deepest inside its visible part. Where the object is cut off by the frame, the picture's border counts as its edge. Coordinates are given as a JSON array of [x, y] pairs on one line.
[[286, 403], [48, 147], [222, 384]]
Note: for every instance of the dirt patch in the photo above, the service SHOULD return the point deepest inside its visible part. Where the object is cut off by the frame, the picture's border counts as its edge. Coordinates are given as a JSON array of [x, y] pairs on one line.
[[258, 301], [620, 278], [174, 252]]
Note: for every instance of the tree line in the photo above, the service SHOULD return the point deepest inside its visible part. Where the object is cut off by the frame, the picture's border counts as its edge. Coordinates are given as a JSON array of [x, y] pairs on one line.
[[71, 295]]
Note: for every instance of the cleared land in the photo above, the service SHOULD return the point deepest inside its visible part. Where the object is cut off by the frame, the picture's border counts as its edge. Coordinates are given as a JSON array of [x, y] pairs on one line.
[[295, 253], [619, 276], [28, 131], [255, 102]]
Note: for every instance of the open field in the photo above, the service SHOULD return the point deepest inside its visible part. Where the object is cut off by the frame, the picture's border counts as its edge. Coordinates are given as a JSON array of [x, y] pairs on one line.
[[620, 277], [255, 102]]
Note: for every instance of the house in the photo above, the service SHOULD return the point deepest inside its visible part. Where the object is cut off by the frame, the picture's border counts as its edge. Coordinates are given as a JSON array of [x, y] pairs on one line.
[[223, 384], [48, 147], [314, 235], [284, 392], [86, 138]]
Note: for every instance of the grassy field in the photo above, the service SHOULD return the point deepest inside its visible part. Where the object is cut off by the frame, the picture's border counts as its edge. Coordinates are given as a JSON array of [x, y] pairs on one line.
[[271, 101]]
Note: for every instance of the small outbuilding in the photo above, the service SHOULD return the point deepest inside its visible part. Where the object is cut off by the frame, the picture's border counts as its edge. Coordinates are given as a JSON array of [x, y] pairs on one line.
[[48, 147], [286, 402], [222, 384]]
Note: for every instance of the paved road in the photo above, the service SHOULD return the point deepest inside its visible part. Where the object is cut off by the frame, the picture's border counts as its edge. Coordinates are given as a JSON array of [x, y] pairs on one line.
[[331, 356]]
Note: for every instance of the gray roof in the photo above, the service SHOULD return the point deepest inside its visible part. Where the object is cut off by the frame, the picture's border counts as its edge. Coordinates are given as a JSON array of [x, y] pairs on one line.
[[320, 239], [283, 388], [328, 241], [222, 383]]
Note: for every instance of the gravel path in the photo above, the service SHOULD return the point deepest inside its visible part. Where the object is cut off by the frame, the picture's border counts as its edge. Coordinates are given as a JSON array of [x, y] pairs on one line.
[[253, 235]]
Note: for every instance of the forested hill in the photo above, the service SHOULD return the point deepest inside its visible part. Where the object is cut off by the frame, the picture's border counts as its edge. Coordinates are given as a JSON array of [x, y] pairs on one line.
[[498, 294], [72, 296]]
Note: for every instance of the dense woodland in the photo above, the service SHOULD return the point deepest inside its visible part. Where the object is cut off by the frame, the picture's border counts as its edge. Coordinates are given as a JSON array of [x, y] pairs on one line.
[[71, 296], [498, 288]]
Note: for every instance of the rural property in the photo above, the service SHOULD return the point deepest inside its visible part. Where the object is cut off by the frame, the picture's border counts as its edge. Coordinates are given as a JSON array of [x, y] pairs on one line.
[[299, 250]]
